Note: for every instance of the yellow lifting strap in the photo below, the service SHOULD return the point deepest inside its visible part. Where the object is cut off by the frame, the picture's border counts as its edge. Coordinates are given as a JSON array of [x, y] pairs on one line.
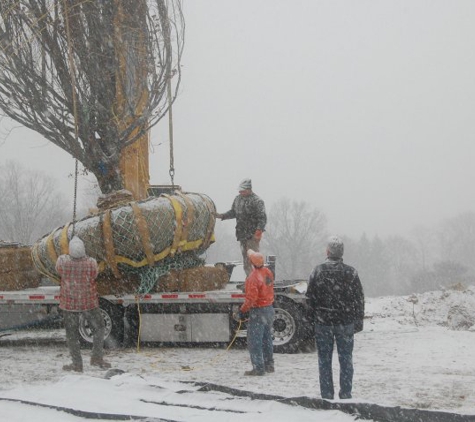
[[51, 249], [63, 240]]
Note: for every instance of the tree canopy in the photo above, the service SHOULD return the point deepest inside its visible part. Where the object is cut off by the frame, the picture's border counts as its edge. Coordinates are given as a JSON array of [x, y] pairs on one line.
[[91, 76]]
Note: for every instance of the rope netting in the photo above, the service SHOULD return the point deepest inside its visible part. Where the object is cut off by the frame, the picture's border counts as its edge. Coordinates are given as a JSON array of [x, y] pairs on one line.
[[144, 238], [149, 275]]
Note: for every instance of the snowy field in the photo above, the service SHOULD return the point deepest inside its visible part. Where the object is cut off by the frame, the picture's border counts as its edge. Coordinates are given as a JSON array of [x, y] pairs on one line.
[[406, 356]]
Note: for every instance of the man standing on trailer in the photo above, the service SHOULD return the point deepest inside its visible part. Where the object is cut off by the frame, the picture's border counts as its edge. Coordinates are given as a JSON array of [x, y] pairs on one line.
[[336, 300], [78, 296], [250, 214]]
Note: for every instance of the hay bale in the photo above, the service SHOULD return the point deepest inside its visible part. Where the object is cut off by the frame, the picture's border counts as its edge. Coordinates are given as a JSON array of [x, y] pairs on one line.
[[17, 271], [169, 282], [19, 280], [107, 284], [16, 259], [199, 279]]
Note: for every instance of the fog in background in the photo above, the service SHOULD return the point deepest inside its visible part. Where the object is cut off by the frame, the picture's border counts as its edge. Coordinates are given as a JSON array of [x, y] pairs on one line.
[[362, 110]]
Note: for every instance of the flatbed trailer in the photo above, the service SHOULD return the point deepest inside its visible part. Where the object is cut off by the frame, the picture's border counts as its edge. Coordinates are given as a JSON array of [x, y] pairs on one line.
[[178, 318]]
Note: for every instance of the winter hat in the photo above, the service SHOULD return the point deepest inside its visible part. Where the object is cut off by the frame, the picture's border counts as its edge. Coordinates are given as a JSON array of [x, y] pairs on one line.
[[335, 247], [245, 184], [256, 258], [76, 248]]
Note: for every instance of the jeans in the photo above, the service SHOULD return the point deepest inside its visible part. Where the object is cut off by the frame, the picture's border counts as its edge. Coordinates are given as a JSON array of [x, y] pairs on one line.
[[259, 337], [96, 323], [344, 337]]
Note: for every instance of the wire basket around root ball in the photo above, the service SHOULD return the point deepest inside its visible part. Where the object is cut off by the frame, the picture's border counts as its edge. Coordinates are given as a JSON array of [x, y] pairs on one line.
[[136, 239]]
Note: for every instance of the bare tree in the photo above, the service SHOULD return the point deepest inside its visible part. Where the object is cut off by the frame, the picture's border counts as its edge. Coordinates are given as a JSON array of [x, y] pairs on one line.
[[296, 234], [457, 239], [30, 205], [91, 76], [370, 258], [425, 240], [403, 263]]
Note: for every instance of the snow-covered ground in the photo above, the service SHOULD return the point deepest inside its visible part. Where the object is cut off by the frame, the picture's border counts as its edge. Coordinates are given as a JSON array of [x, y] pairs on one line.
[[406, 356]]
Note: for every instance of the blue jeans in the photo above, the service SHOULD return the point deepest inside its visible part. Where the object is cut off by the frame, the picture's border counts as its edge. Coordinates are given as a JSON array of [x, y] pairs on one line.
[[259, 337], [344, 337]]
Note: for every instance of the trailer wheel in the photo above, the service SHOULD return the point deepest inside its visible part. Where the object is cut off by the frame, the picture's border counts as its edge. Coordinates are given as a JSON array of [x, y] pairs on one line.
[[113, 322], [288, 330]]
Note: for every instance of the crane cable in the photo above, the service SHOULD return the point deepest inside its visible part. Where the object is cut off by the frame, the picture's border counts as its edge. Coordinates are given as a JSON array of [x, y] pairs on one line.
[[75, 112], [170, 131]]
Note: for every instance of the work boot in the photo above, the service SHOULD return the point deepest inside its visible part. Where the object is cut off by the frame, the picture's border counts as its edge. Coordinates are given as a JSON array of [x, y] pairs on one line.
[[270, 368], [254, 372], [72, 367], [101, 363]]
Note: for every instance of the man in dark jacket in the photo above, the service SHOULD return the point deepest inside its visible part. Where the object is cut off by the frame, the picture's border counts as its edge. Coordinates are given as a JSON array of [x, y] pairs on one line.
[[250, 214], [336, 301]]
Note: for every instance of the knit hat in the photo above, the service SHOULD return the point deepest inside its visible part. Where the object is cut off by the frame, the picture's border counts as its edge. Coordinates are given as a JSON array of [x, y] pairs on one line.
[[245, 184], [76, 248], [256, 258], [335, 247]]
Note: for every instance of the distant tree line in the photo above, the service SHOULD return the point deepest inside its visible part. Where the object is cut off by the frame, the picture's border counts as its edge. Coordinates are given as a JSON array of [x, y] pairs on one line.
[[31, 204]]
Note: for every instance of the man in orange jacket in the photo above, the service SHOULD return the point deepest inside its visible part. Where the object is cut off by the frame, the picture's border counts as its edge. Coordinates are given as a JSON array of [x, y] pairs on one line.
[[259, 303]]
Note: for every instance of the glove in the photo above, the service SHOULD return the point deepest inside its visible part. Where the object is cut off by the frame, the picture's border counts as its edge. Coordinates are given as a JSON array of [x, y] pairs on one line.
[[240, 316], [237, 316], [358, 325], [258, 234]]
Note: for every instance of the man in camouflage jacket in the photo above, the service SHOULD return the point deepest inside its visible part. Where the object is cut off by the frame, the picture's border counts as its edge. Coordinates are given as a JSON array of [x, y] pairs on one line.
[[250, 214]]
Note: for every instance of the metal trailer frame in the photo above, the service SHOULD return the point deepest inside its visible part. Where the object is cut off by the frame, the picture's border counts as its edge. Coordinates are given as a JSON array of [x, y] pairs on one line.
[[174, 318]]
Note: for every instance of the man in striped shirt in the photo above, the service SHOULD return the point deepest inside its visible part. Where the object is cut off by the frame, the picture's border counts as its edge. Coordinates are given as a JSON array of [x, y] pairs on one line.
[[78, 296]]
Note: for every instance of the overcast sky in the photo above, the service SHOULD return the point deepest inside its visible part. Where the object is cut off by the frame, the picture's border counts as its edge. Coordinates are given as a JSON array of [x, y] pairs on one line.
[[365, 109]]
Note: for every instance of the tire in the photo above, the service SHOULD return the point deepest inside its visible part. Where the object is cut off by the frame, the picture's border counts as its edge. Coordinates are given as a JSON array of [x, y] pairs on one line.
[[289, 328], [114, 326]]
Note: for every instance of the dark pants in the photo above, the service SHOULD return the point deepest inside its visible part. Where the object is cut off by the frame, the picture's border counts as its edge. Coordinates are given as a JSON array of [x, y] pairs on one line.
[[326, 336], [259, 337], [96, 323]]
